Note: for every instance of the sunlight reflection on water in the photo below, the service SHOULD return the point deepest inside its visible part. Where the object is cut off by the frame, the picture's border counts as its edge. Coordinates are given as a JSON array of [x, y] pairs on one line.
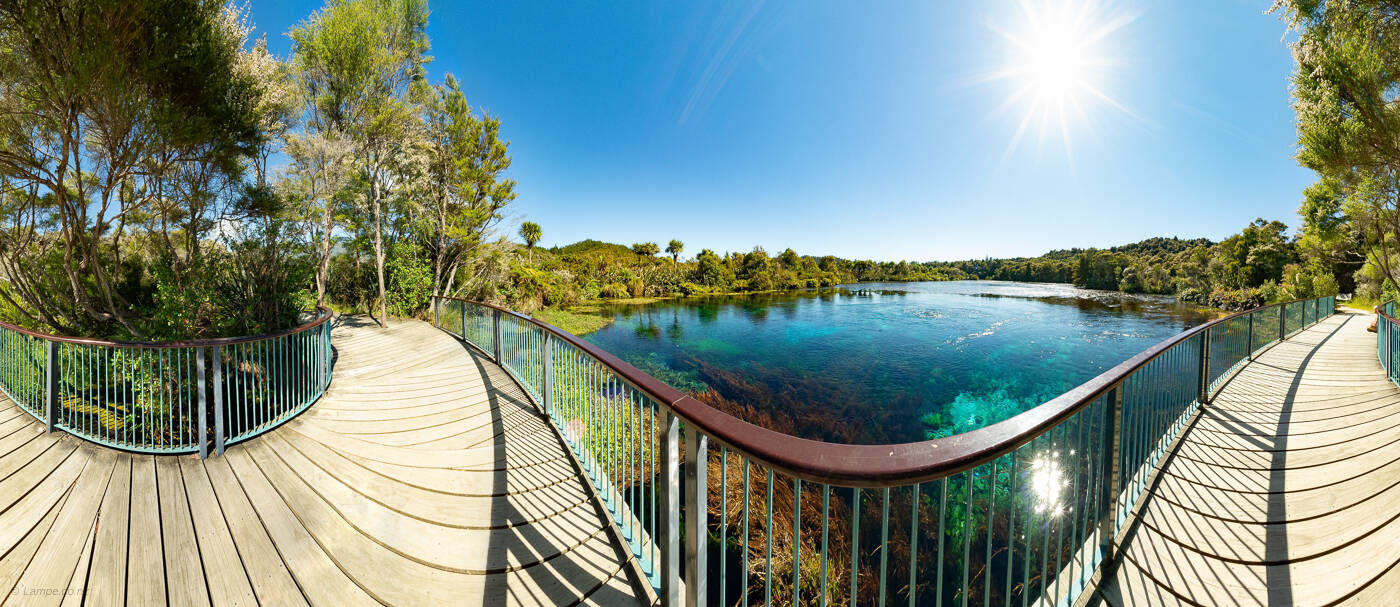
[[1048, 484]]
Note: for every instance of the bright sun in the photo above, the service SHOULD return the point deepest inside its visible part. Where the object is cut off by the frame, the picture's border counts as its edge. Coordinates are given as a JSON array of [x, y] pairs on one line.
[[1056, 62]]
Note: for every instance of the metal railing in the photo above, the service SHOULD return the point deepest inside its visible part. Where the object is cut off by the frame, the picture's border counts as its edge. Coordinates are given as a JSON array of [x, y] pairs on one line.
[[166, 397], [1386, 340], [719, 511]]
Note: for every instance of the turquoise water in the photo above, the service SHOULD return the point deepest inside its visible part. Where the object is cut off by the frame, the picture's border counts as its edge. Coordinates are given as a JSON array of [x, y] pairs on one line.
[[890, 362]]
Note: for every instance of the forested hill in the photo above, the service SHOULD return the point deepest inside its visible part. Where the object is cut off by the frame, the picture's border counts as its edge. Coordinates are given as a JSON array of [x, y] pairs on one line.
[[1258, 265]]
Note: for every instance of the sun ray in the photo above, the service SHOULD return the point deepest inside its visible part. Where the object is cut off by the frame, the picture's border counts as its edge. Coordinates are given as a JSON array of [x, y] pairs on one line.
[[1058, 62]]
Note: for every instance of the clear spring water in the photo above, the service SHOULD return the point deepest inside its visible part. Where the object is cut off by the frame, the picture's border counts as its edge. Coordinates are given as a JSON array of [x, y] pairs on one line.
[[892, 362]]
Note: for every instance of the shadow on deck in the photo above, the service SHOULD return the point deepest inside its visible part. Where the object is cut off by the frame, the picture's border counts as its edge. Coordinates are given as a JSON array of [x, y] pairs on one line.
[[1285, 490]]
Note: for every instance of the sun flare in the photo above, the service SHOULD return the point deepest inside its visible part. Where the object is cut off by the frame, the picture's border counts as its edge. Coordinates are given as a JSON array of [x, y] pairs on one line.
[[1056, 62]]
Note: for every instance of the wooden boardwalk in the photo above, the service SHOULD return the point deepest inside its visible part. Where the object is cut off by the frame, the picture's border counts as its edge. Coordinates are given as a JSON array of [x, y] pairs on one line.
[[423, 477], [1284, 491]]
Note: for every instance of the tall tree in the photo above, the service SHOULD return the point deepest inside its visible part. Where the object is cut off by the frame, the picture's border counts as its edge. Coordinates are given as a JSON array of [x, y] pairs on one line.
[[118, 120], [645, 249], [530, 231], [360, 59], [675, 247], [467, 189], [1348, 115]]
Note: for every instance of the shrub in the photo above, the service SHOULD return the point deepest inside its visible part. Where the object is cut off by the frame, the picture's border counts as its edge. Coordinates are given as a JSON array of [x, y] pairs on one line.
[[614, 290]]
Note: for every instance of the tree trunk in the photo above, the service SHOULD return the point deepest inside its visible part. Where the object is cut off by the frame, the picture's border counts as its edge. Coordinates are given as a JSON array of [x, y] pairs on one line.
[[323, 268], [379, 251], [438, 277]]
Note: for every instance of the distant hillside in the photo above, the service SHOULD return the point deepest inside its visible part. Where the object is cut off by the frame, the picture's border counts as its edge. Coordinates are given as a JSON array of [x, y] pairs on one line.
[[1156, 245], [593, 247]]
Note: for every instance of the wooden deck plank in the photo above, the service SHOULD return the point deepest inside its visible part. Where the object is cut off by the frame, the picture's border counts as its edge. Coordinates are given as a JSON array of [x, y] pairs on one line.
[[145, 567], [46, 579], [184, 572], [1285, 491], [318, 576], [223, 568], [13, 564], [107, 582], [267, 573]]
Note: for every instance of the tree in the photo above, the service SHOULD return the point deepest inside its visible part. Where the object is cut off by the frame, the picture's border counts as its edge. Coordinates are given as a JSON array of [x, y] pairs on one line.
[[360, 58], [125, 128], [466, 190], [1347, 114], [645, 249], [530, 231], [675, 247]]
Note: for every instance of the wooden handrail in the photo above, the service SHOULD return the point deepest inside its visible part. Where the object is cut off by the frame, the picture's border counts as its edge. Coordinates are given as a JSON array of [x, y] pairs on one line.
[[323, 314], [883, 465]]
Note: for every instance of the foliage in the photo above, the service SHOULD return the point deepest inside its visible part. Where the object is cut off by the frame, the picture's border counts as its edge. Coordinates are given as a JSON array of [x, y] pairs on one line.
[[1241, 271], [530, 232], [578, 323], [1348, 121], [125, 130]]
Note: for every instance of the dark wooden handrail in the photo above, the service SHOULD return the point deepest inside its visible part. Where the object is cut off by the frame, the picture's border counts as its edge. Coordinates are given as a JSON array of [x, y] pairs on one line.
[[874, 465], [323, 314]]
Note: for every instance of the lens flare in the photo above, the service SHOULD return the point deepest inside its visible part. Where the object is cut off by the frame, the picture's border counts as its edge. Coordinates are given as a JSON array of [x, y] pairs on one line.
[[1057, 60]]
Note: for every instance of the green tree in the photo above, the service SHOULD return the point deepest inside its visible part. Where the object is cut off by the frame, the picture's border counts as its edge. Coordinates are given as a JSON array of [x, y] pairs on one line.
[[645, 249], [360, 58], [675, 247], [530, 231], [466, 190], [1347, 114], [709, 269], [124, 126]]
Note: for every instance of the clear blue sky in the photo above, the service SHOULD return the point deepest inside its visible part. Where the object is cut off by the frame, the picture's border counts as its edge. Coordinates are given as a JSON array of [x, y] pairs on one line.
[[882, 130]]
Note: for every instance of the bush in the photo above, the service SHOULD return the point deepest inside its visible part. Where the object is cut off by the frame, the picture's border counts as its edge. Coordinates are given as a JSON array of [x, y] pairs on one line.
[[615, 290], [409, 278]]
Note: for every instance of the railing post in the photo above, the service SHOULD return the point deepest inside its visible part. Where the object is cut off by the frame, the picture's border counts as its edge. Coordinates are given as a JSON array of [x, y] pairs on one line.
[[496, 336], [1203, 393], [696, 568], [1251, 336], [50, 385], [203, 425], [548, 362], [217, 358], [670, 523], [436, 303], [1113, 439], [1282, 321], [463, 308]]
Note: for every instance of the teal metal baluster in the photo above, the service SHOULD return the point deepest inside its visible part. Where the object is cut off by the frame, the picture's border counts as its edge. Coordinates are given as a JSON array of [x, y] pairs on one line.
[[884, 541], [826, 519], [1011, 529], [723, 520], [855, 542], [914, 545], [746, 532], [796, 538], [942, 510], [991, 517], [768, 553], [967, 536]]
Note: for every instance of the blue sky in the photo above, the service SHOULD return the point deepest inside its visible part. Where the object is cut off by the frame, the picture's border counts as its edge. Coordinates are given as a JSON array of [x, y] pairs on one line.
[[883, 130]]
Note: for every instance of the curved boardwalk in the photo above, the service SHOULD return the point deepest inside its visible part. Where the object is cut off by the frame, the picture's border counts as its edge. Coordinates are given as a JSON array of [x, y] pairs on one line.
[[424, 476], [1284, 491]]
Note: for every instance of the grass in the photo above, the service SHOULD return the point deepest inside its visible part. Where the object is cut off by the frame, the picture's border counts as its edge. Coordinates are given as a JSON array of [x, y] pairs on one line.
[[1357, 303], [635, 301], [578, 320]]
